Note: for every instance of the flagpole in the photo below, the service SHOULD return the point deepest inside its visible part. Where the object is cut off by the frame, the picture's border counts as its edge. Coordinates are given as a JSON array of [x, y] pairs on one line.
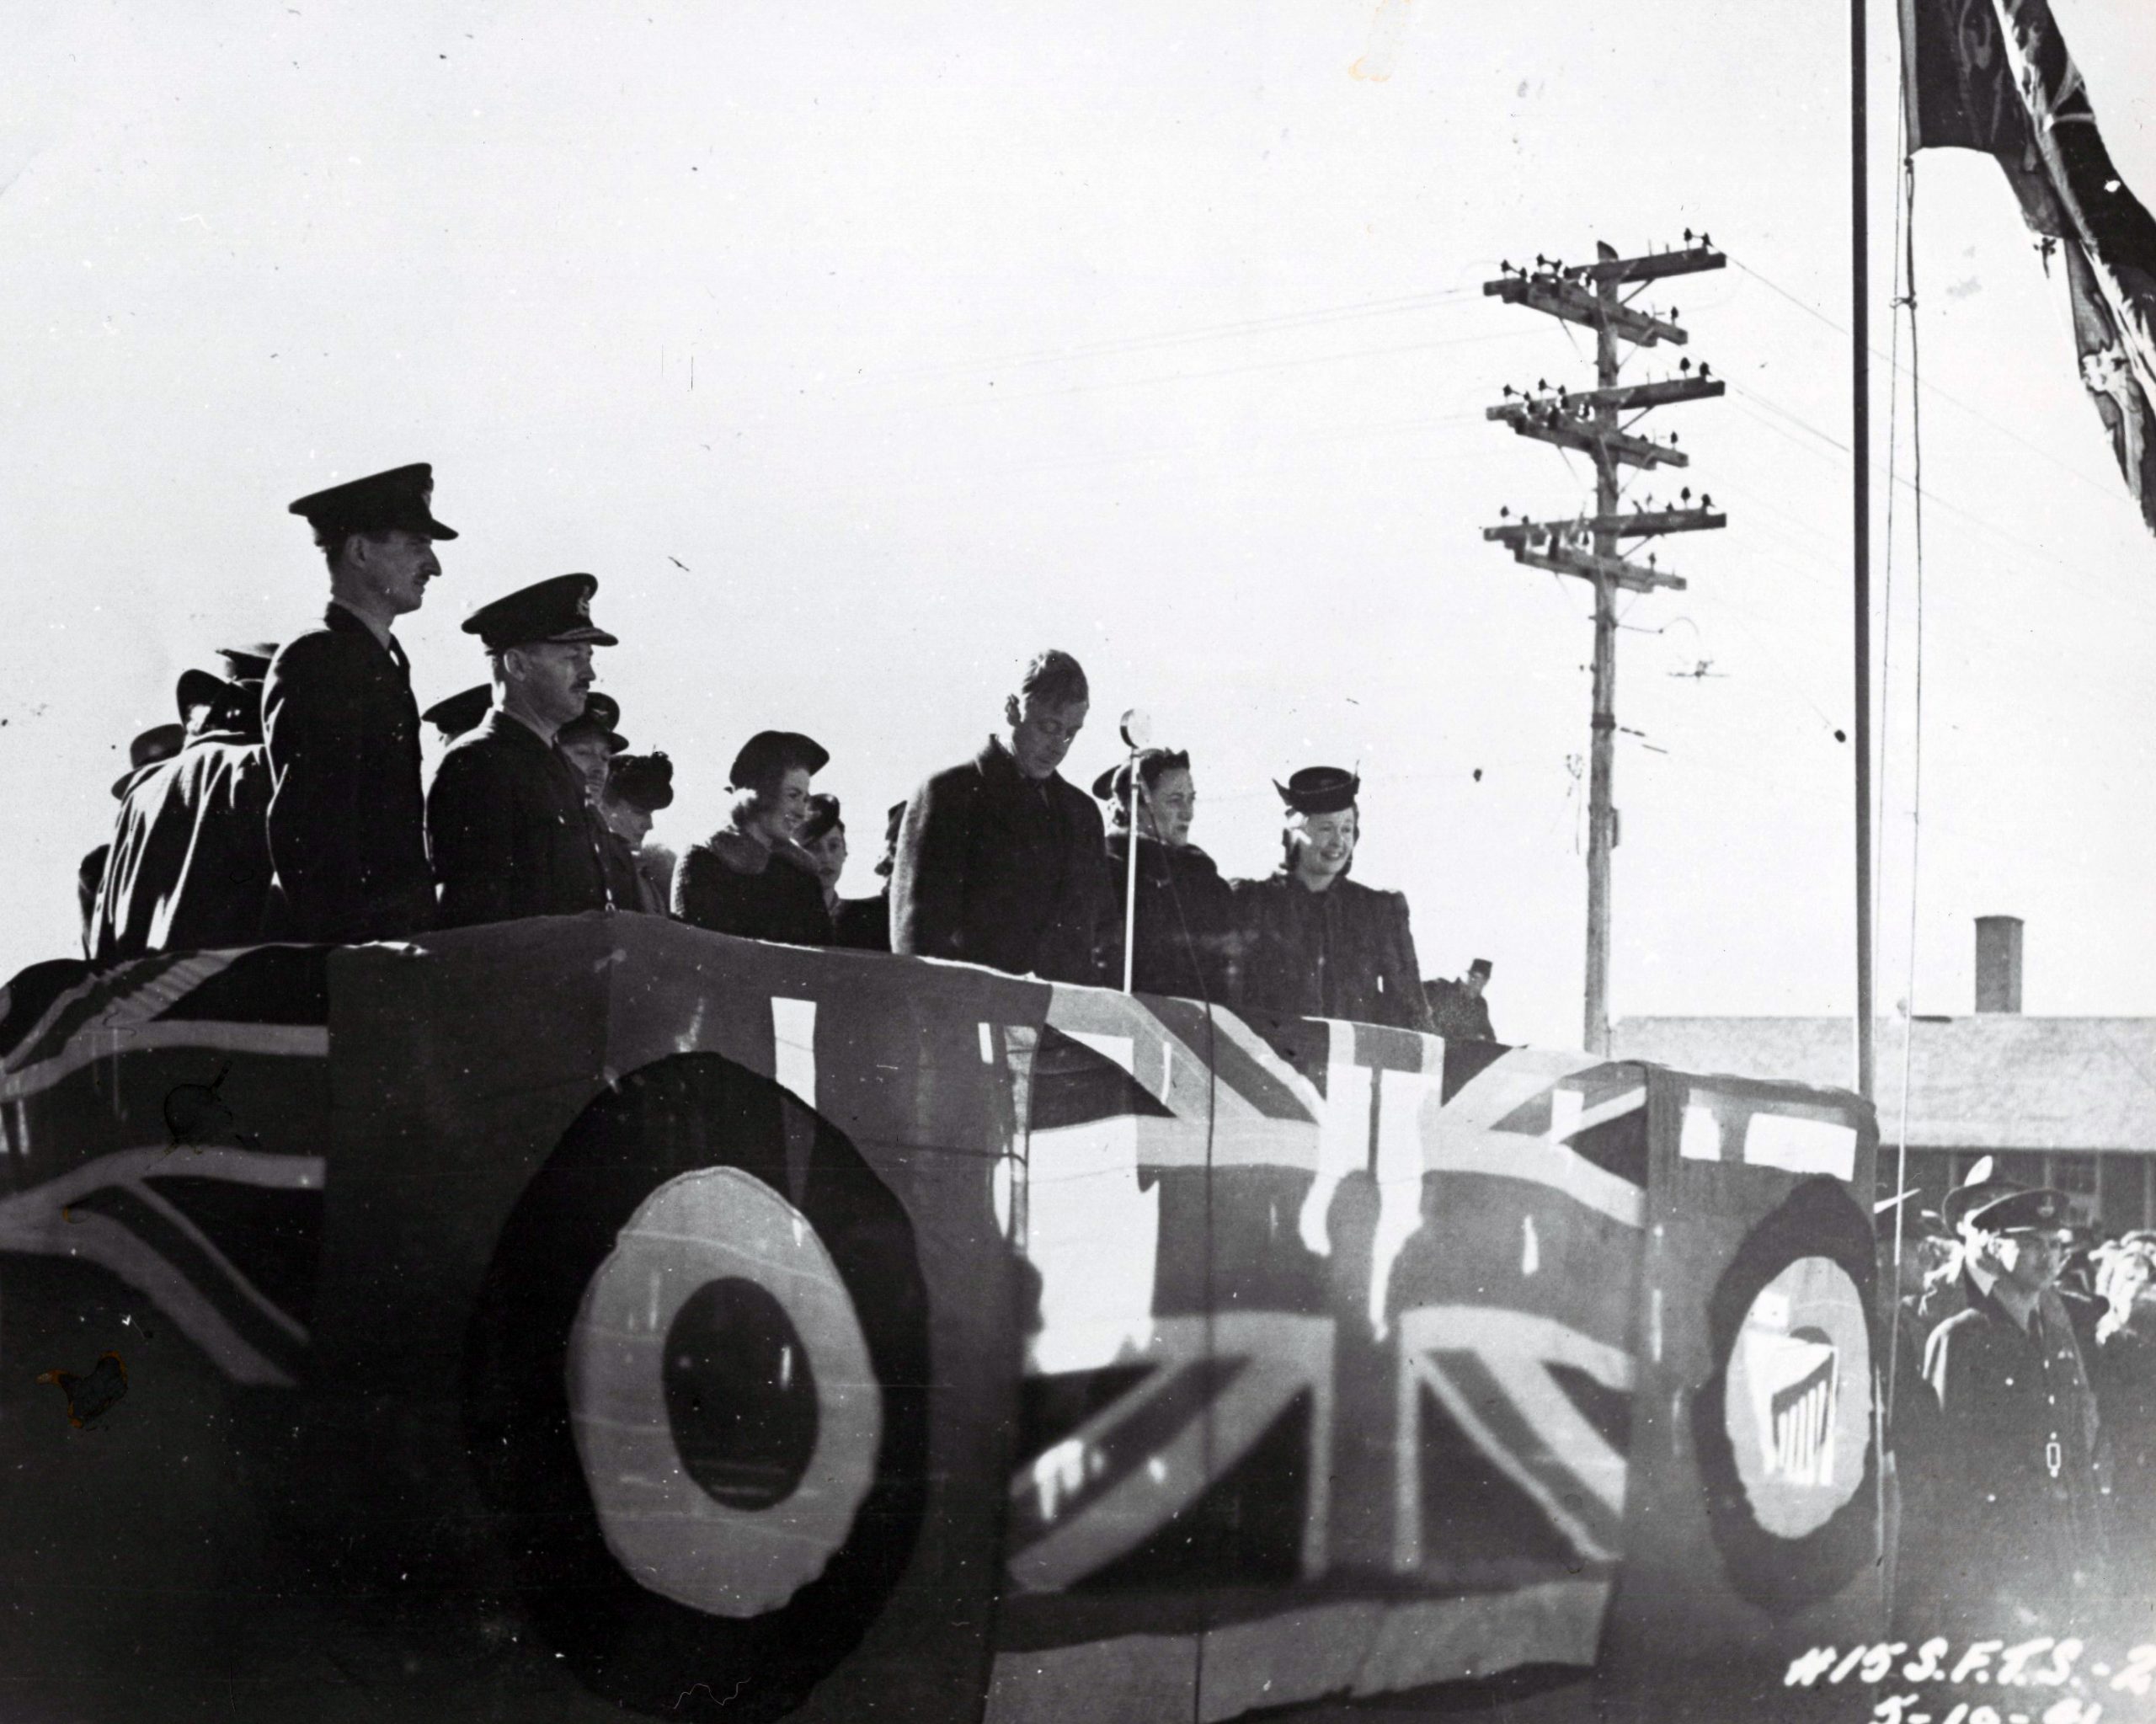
[[1860, 450]]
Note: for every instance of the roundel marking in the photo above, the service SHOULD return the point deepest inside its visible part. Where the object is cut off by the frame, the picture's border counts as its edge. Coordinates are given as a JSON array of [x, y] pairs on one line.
[[726, 1413], [1796, 1402]]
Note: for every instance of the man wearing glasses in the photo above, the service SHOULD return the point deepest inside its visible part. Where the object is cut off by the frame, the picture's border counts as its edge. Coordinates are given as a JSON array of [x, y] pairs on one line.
[[2018, 1533]]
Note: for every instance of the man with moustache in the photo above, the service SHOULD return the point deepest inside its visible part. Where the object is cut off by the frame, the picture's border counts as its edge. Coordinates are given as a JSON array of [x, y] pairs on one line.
[[1318, 944], [511, 830], [347, 819], [1000, 859]]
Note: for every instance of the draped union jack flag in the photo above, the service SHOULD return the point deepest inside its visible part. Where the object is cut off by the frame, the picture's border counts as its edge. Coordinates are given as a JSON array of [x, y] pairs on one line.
[[1330, 1379]]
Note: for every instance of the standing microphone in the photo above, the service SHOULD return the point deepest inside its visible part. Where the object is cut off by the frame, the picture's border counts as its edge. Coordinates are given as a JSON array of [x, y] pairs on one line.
[[1137, 731]]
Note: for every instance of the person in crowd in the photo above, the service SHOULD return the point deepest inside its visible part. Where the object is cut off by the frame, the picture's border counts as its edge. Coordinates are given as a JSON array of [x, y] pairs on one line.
[[1000, 859], [2122, 1372], [465, 710], [189, 864], [637, 786], [751, 877], [160, 742], [591, 740], [348, 842], [1912, 1418], [822, 836], [1185, 925], [2016, 1532], [1319, 944], [864, 924], [512, 832], [1458, 1009]]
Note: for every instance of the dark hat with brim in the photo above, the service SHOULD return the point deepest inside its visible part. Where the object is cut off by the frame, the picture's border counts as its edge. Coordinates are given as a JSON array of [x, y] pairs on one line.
[[770, 751], [596, 724], [643, 780], [160, 742], [557, 609], [199, 688], [465, 710], [1320, 790], [400, 497]]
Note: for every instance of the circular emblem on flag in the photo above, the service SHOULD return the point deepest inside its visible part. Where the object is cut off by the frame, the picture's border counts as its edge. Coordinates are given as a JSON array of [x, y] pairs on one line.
[[695, 1394], [1796, 1402], [725, 1410], [1783, 1427]]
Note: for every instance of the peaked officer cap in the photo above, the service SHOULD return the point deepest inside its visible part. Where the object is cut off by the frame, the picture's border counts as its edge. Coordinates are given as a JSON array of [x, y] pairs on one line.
[[402, 497], [160, 742], [556, 609], [248, 664], [770, 751], [1985, 1199], [641, 781], [1320, 790], [466, 710]]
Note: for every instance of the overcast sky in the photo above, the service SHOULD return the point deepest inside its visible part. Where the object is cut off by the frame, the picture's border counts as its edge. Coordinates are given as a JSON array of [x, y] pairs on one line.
[[861, 350]]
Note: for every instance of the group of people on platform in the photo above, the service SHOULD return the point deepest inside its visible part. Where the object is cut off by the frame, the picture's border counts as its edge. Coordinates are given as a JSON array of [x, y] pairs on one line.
[[2023, 1415], [288, 804]]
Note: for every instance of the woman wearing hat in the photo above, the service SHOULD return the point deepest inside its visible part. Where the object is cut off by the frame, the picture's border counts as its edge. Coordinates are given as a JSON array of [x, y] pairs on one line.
[[637, 787], [1185, 927], [751, 877], [1318, 944]]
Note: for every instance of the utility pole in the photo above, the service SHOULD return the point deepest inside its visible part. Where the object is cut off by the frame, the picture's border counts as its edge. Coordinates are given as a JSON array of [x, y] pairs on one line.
[[1594, 422]]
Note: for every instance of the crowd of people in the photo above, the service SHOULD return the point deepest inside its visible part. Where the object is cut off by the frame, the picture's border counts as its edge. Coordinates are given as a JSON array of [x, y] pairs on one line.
[[289, 803], [2023, 1406]]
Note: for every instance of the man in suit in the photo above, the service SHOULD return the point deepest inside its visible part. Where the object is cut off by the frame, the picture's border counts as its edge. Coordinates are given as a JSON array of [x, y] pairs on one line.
[[999, 860], [189, 867], [512, 831], [347, 816]]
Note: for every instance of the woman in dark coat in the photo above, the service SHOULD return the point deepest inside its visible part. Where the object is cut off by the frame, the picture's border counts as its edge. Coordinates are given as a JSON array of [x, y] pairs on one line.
[[750, 878], [1319, 944], [1186, 914]]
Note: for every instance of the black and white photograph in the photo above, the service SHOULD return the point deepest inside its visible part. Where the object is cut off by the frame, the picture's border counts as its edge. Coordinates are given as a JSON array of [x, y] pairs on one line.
[[1282, 862]]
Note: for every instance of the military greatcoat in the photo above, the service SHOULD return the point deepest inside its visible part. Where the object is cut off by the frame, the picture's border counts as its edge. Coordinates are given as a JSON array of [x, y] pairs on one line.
[[189, 869], [2018, 1503], [512, 832], [347, 816]]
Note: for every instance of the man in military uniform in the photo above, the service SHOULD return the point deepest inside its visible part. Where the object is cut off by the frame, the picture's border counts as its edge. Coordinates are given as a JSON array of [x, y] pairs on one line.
[[160, 742], [1000, 859], [591, 739], [1318, 944], [347, 816], [512, 832], [189, 867], [2016, 1536], [1458, 1009]]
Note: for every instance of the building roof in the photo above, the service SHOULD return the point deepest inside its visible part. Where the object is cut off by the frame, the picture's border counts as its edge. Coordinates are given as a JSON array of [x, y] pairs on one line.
[[1997, 1080]]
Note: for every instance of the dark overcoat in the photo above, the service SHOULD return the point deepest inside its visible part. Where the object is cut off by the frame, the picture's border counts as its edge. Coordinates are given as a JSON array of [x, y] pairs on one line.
[[733, 883], [1457, 1015], [189, 869], [2017, 1499], [996, 868], [512, 832], [626, 882], [1347, 951], [864, 924], [348, 836], [1186, 921]]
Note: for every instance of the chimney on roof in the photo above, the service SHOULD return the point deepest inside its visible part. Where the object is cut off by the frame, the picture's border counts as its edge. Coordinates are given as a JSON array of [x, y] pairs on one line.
[[1998, 964]]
